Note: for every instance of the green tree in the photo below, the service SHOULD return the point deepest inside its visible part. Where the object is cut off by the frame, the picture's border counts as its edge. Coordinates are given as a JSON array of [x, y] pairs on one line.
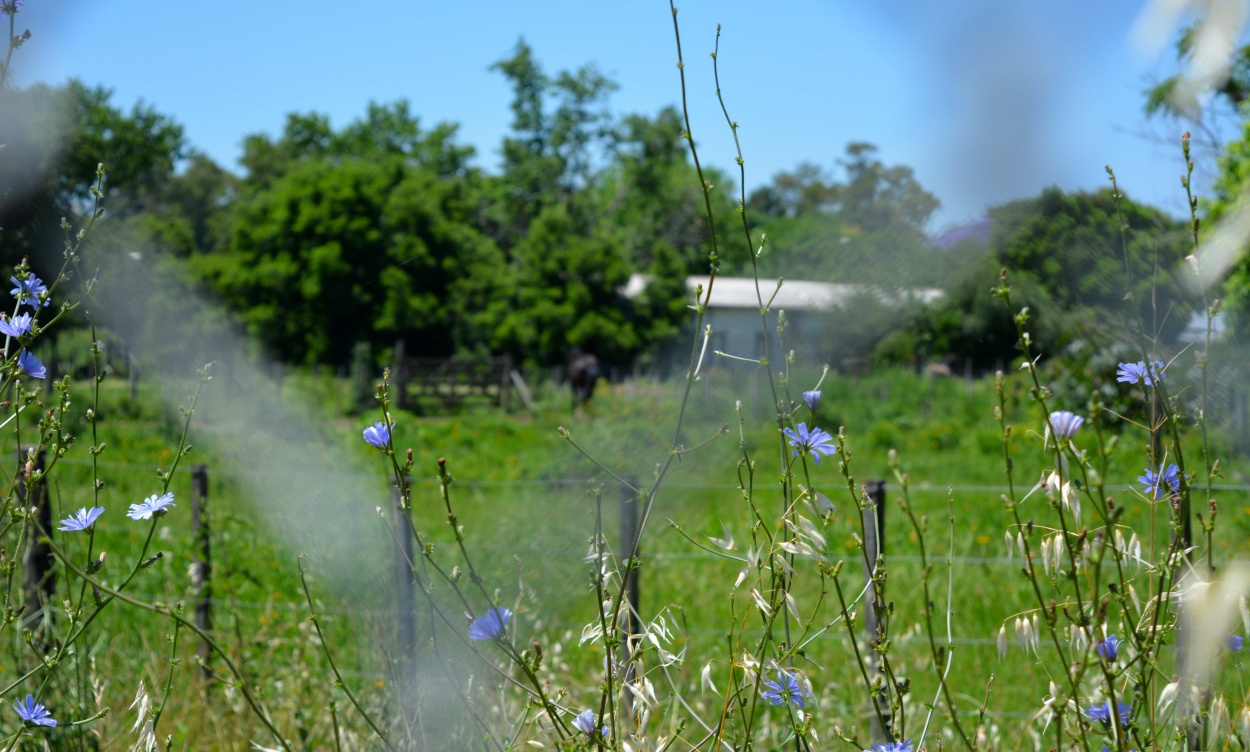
[[876, 197], [385, 131], [806, 190], [191, 214], [649, 198], [568, 293], [871, 197], [1230, 189], [559, 127], [55, 137], [337, 252], [1079, 275], [1162, 99]]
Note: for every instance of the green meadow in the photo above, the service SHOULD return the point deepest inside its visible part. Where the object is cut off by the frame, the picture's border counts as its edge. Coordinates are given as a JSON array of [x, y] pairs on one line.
[[528, 501]]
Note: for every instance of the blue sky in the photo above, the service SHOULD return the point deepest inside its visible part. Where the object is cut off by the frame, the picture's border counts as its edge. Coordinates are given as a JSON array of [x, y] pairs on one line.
[[988, 100]]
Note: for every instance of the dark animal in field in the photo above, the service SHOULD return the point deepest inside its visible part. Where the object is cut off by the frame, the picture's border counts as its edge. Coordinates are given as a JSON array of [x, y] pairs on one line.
[[583, 375]]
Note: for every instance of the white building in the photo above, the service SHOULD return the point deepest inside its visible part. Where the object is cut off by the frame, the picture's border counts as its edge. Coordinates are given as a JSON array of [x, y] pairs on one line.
[[734, 309]]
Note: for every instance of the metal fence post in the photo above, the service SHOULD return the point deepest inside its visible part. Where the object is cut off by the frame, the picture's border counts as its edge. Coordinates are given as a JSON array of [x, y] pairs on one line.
[[201, 580], [406, 611], [40, 565], [874, 549], [399, 377], [629, 545], [405, 603]]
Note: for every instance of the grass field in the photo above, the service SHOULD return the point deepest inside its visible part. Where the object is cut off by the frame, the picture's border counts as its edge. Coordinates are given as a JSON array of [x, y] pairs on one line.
[[289, 474]]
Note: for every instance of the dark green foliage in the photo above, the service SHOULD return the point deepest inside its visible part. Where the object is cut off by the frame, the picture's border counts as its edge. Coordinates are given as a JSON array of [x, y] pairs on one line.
[[1079, 275], [1162, 97], [1230, 189], [867, 230], [550, 155], [822, 247], [650, 198], [876, 197], [189, 218], [872, 197], [54, 139], [353, 250], [567, 294]]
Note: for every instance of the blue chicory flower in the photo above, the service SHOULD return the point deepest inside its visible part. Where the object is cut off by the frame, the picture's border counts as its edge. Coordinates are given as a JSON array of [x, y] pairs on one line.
[[16, 326], [585, 723], [489, 625], [34, 713], [1141, 372], [1105, 748], [785, 689], [1063, 424], [82, 519], [1153, 483], [378, 435], [1108, 648], [150, 506], [1102, 712], [30, 365], [903, 746], [1234, 643], [812, 399], [816, 442], [28, 290]]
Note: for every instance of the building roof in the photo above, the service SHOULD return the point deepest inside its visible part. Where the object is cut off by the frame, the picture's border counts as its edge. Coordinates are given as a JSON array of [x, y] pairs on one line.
[[794, 295]]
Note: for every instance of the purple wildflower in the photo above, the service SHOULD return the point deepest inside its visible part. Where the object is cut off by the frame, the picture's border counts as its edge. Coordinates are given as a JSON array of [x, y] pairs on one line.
[[1153, 482], [1108, 648], [378, 435], [815, 442], [1063, 424], [489, 625], [153, 505], [585, 723], [29, 289], [1102, 712], [16, 326], [81, 520], [34, 713], [785, 690], [30, 365], [1141, 371]]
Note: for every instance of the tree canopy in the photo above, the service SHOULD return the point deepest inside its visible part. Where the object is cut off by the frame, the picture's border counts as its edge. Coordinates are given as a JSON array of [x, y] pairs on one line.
[[1091, 266], [386, 230]]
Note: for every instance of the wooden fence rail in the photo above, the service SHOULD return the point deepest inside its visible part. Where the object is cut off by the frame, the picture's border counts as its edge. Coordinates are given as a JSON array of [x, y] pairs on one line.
[[449, 381]]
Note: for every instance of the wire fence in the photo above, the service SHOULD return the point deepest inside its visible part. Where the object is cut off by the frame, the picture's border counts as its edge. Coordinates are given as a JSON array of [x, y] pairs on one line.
[[402, 607]]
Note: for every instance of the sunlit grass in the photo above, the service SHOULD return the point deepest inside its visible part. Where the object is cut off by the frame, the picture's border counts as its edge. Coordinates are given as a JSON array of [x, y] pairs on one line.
[[528, 499]]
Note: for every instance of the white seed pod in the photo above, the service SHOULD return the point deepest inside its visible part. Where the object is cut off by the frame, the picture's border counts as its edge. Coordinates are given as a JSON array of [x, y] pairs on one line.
[[1219, 722], [760, 603], [1167, 696], [1132, 593], [1072, 500], [1002, 642], [705, 679], [1078, 638]]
